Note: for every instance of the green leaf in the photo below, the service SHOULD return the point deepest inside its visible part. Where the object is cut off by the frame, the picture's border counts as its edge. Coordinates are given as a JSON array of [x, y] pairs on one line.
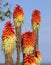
[[4, 14], [1, 18], [8, 13]]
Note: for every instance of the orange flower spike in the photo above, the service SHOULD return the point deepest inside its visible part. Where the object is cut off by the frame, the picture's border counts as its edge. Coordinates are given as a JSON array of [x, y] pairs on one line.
[[18, 16], [36, 16], [28, 42], [9, 30], [17, 11], [36, 19], [30, 59], [28, 38]]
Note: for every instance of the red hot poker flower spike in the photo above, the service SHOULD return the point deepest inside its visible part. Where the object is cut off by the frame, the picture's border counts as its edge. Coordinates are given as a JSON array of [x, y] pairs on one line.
[[18, 16], [8, 30], [28, 39], [36, 17], [17, 11]]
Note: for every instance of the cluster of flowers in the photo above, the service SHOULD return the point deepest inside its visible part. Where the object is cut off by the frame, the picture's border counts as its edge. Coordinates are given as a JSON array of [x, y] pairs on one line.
[[30, 60], [8, 38], [28, 43], [28, 40], [18, 16], [36, 18]]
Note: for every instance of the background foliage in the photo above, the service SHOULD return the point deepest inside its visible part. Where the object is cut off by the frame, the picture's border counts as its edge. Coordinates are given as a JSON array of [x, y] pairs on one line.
[[5, 11]]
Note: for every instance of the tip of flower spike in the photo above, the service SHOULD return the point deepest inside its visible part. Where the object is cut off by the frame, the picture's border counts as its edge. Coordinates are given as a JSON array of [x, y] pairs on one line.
[[8, 24], [36, 12], [27, 34], [18, 6], [8, 30], [36, 18], [17, 11]]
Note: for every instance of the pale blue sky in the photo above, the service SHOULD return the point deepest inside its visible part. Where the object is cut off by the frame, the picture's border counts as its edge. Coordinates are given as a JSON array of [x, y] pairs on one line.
[[45, 28]]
